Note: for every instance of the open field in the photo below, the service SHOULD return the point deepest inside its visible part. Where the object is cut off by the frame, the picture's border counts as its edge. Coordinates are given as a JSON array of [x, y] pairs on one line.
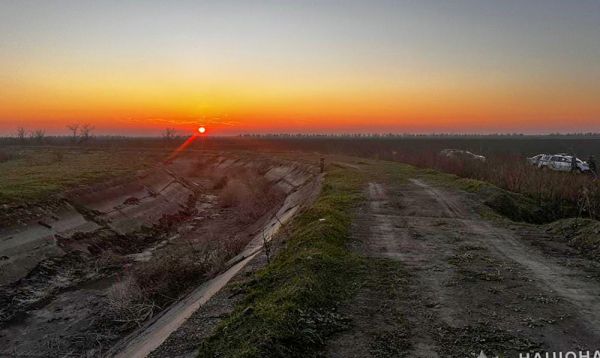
[[61, 165], [239, 248], [28, 174]]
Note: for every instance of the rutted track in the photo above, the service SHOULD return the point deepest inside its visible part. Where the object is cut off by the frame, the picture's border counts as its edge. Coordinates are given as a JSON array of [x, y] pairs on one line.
[[470, 284], [567, 283]]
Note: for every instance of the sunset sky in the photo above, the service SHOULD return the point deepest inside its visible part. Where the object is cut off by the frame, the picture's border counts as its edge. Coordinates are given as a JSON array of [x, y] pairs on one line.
[[136, 67]]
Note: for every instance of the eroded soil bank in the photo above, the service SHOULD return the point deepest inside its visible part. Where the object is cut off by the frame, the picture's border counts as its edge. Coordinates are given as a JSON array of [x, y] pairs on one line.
[[78, 275]]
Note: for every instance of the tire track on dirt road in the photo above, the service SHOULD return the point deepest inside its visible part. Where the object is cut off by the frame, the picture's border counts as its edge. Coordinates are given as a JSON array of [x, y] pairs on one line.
[[470, 284], [383, 234], [563, 281]]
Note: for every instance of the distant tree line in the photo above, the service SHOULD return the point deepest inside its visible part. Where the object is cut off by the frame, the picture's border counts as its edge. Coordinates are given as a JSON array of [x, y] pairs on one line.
[[37, 135], [413, 135], [78, 133]]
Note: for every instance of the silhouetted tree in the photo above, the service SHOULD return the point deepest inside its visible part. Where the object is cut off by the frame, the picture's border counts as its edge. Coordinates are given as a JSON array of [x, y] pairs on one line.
[[169, 134], [85, 132], [21, 134], [38, 135], [74, 128]]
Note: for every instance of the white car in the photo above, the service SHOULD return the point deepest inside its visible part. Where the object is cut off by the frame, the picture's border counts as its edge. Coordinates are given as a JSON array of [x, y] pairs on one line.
[[535, 159], [561, 163]]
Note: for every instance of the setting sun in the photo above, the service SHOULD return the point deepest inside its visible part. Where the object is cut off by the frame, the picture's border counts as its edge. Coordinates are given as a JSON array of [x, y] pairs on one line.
[[249, 71], [201, 130]]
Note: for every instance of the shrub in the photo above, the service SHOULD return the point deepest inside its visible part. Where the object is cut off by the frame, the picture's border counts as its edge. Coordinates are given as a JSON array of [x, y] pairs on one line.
[[516, 207], [151, 286], [250, 200], [127, 304]]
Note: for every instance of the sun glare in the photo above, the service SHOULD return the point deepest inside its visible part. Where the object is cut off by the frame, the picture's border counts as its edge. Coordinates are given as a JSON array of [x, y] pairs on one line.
[[201, 130]]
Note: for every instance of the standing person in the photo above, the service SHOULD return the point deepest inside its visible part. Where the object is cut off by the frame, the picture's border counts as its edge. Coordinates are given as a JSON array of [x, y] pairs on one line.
[[592, 165], [573, 163]]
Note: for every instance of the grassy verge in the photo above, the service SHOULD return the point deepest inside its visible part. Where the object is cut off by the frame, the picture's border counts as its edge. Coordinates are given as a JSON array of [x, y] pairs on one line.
[[582, 234], [514, 206], [291, 305]]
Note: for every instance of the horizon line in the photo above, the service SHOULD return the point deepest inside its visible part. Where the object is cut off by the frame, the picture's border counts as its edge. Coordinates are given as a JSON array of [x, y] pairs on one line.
[[326, 135]]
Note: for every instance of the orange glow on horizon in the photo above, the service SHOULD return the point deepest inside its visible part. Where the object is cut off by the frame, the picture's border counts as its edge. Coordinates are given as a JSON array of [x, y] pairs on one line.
[[133, 102], [299, 108]]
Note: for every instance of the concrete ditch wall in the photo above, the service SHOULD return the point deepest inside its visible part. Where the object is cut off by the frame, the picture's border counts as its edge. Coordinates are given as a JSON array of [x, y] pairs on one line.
[[38, 281]]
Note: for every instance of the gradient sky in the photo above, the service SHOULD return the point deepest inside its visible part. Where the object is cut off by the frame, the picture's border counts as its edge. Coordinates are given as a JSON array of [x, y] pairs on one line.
[[135, 67]]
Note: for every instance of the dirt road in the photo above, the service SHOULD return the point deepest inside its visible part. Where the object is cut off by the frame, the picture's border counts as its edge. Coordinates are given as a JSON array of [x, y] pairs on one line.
[[443, 281]]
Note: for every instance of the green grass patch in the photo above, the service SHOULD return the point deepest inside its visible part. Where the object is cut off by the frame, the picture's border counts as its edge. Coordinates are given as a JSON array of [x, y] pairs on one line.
[[33, 174], [582, 234], [290, 308], [514, 206]]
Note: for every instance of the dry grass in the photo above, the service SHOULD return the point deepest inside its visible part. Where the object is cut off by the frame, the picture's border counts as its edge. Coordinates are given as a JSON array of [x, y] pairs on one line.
[[127, 304], [151, 286], [250, 199], [559, 194]]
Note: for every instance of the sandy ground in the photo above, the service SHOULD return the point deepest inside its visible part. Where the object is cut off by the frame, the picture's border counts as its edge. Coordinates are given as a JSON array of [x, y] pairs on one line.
[[444, 282]]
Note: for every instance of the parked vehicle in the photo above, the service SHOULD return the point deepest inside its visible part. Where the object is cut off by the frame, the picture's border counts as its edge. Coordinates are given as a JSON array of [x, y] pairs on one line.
[[461, 154], [535, 159], [562, 163]]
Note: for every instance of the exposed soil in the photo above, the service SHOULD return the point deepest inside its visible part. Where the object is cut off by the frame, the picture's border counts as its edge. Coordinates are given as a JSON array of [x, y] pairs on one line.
[[177, 331], [62, 265], [439, 280], [444, 282]]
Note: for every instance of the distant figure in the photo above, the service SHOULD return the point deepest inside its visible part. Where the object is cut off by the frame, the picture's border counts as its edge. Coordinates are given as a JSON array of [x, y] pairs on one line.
[[592, 165], [322, 164], [573, 163]]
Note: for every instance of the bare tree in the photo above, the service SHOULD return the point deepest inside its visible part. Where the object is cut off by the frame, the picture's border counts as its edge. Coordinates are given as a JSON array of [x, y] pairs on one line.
[[38, 135], [21, 134], [74, 128], [169, 134], [85, 132]]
